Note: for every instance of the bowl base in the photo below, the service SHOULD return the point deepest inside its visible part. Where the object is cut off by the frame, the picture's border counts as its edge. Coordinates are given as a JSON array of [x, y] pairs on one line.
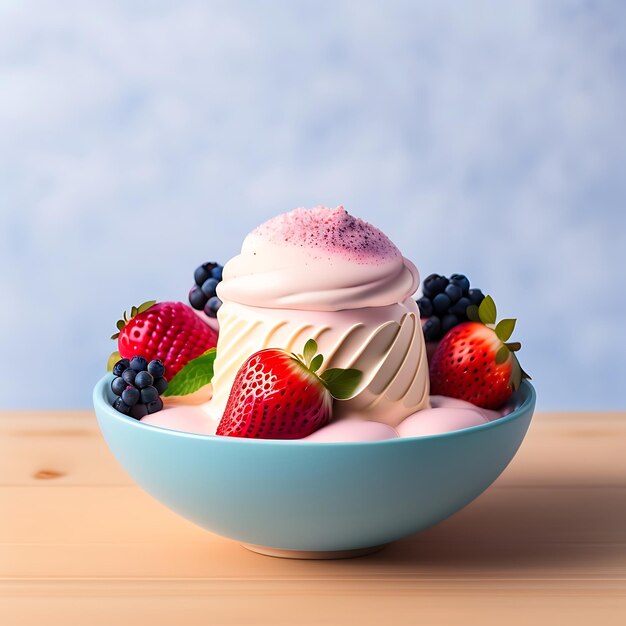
[[312, 554]]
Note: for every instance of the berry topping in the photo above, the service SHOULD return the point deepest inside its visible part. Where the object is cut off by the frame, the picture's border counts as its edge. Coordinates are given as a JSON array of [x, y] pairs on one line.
[[433, 285], [120, 366], [444, 303], [138, 363], [128, 376], [149, 394], [168, 331], [156, 368], [143, 379], [203, 295], [475, 362], [118, 384], [121, 406], [160, 384], [277, 395], [138, 389], [212, 306], [130, 395]]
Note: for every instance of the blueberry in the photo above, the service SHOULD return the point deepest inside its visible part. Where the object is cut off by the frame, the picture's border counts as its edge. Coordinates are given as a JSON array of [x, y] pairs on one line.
[[208, 287], [460, 280], [160, 384], [128, 376], [143, 379], [155, 406], [459, 308], [120, 366], [138, 364], [148, 394], [216, 272], [432, 329], [139, 411], [448, 322], [476, 296], [441, 303], [121, 406], [212, 306], [203, 272], [453, 292], [156, 368], [196, 298], [130, 395], [118, 384], [433, 285], [425, 307]]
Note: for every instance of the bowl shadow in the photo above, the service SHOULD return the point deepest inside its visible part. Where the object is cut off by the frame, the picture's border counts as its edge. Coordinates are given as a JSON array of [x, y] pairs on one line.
[[518, 527]]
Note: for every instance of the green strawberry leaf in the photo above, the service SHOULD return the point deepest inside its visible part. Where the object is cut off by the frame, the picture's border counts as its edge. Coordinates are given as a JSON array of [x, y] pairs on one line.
[[472, 313], [487, 311], [316, 363], [516, 374], [145, 306], [341, 383], [504, 329], [502, 355], [197, 373], [514, 346], [310, 350]]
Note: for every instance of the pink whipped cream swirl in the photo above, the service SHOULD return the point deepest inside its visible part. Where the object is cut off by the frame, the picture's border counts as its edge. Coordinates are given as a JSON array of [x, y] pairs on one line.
[[318, 259]]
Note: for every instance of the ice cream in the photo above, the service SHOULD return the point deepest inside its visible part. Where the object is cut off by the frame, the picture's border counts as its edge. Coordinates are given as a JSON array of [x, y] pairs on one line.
[[323, 274]]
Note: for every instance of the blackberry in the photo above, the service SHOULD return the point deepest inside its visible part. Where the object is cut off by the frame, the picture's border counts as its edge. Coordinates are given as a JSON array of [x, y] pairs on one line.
[[202, 295], [212, 306], [118, 384], [139, 387], [444, 303], [120, 366], [143, 379], [156, 368]]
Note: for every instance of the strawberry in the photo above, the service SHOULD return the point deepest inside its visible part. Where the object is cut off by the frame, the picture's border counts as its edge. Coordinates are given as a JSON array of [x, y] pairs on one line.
[[278, 395], [168, 331], [474, 362]]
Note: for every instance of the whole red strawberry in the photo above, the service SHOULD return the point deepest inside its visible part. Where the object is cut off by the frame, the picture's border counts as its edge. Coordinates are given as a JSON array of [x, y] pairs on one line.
[[169, 331], [474, 362], [278, 395]]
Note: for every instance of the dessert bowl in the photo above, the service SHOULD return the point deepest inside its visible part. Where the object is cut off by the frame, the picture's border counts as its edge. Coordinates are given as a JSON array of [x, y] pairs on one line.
[[302, 499]]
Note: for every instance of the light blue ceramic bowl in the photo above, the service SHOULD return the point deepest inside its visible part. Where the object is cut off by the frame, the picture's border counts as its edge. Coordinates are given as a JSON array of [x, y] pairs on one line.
[[319, 498]]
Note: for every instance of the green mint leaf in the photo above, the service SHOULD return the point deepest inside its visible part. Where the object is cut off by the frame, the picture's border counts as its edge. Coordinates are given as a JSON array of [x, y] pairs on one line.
[[514, 346], [195, 374], [341, 383], [487, 311], [472, 313], [505, 329], [502, 355], [316, 363], [310, 350]]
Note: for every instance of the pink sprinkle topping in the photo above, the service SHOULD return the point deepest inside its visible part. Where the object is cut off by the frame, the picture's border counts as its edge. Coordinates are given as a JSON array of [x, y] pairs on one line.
[[329, 231]]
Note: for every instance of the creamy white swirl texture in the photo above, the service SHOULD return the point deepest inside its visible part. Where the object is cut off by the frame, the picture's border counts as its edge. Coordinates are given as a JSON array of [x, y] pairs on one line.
[[318, 260], [323, 274]]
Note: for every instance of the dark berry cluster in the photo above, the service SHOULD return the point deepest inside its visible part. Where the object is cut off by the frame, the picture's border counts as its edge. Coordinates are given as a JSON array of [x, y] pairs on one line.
[[444, 302], [202, 296], [138, 385]]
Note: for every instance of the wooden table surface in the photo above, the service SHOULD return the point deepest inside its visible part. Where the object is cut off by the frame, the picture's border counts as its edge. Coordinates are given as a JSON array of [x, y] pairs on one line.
[[80, 544]]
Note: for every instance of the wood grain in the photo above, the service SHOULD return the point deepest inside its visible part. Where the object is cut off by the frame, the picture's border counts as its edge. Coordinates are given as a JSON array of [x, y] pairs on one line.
[[79, 543]]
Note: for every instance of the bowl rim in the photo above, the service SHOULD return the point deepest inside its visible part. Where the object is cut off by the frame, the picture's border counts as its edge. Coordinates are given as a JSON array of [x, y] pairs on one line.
[[102, 406]]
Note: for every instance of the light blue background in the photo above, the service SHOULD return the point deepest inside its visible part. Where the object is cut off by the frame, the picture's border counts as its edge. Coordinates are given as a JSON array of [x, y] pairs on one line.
[[140, 139]]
